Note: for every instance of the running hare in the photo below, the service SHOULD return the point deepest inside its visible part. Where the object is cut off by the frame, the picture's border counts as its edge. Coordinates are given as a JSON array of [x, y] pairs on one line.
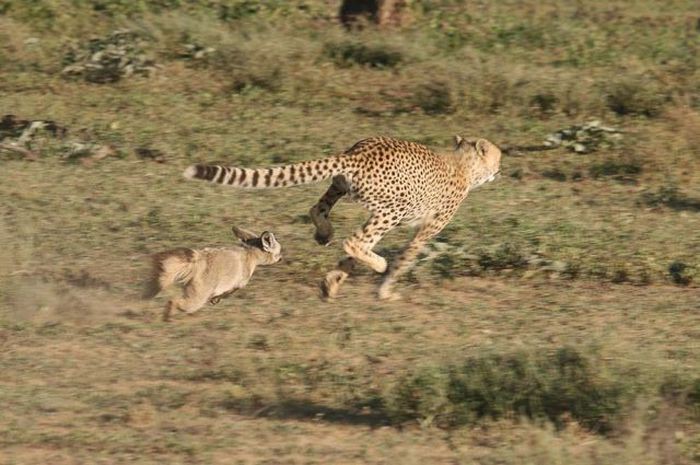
[[209, 274]]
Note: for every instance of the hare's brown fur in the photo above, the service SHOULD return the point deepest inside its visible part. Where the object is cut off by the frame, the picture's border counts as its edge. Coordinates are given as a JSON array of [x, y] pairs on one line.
[[210, 274]]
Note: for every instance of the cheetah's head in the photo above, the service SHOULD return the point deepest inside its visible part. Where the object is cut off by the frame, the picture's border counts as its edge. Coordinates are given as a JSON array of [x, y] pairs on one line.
[[485, 157]]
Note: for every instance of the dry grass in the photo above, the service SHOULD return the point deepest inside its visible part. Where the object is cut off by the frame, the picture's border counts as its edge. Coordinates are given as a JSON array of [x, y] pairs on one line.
[[273, 375]]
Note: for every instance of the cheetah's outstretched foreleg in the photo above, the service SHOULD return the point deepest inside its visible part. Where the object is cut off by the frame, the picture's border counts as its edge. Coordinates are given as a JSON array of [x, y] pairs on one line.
[[334, 279], [359, 249], [408, 257]]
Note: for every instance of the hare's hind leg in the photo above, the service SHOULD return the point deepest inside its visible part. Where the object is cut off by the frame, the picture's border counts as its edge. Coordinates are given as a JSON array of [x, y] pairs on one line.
[[168, 310], [215, 300], [195, 298]]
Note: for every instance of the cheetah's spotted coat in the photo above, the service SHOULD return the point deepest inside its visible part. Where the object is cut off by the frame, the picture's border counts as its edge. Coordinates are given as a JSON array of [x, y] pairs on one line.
[[397, 181]]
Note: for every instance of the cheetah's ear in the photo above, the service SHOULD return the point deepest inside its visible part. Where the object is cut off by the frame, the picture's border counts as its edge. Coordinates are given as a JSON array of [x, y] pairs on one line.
[[458, 141], [243, 234], [482, 147]]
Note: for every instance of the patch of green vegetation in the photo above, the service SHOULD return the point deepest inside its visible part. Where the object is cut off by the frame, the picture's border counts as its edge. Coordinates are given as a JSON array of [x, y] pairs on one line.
[[345, 54], [434, 98], [635, 97], [670, 196], [680, 273], [619, 170], [555, 174], [258, 342], [505, 256], [524, 35], [544, 102], [38, 12], [238, 10], [225, 372], [682, 390], [108, 59], [541, 385], [164, 397]]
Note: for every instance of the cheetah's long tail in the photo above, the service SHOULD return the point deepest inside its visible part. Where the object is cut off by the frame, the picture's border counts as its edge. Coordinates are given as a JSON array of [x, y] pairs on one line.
[[279, 176]]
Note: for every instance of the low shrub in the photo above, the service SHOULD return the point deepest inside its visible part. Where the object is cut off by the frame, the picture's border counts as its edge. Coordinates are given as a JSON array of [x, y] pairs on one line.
[[680, 273], [454, 262], [554, 174], [683, 390], [635, 97], [620, 170], [434, 98], [545, 103], [269, 79], [245, 70], [346, 54], [536, 385], [505, 256], [669, 196]]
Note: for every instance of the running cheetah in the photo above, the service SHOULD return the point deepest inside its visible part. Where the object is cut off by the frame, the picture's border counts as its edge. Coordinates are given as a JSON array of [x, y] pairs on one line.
[[397, 181]]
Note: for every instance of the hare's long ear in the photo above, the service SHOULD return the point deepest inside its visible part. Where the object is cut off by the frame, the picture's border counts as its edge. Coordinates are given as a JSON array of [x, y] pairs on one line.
[[243, 234], [268, 241]]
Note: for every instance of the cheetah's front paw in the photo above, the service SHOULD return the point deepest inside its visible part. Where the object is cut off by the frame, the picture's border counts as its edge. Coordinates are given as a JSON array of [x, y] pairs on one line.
[[378, 264], [387, 294], [331, 284]]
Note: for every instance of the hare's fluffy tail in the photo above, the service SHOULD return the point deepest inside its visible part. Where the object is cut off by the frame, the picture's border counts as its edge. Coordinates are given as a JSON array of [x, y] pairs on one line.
[[168, 268]]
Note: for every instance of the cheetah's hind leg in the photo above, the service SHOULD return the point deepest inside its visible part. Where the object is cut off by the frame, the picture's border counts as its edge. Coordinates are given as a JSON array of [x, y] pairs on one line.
[[321, 211]]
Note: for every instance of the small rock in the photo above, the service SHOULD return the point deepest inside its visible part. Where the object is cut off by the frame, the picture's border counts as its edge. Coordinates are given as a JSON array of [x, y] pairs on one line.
[[108, 59], [584, 138]]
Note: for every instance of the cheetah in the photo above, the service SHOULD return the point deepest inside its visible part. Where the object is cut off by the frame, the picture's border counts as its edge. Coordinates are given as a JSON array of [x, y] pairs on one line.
[[399, 182]]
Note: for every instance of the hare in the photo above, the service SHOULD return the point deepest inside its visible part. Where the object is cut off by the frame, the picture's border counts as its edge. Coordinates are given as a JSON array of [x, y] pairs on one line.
[[210, 274]]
